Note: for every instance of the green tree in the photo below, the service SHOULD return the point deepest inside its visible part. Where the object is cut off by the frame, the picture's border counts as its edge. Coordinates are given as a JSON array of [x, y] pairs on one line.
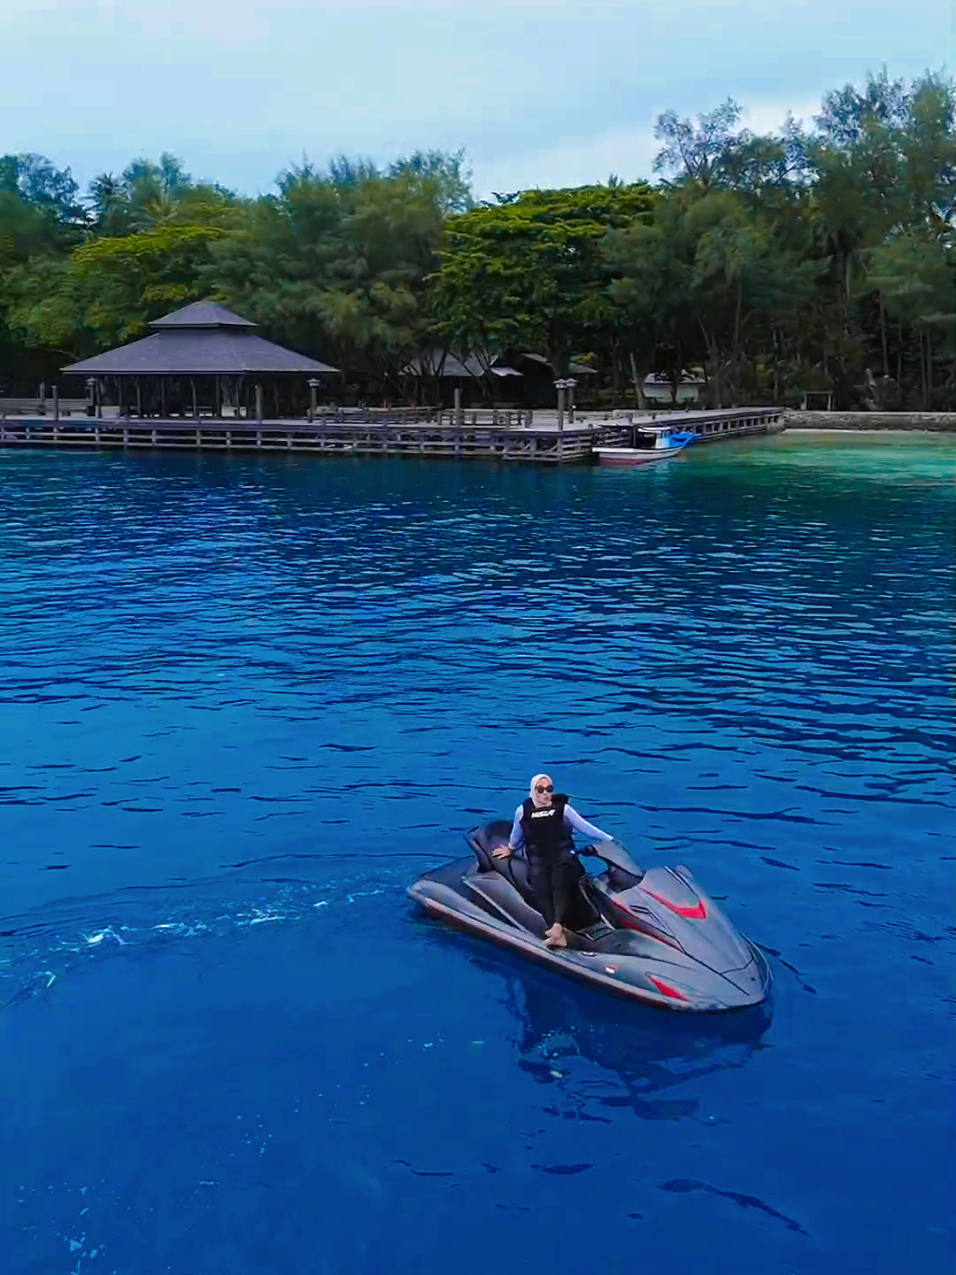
[[808, 258], [110, 288], [915, 274], [148, 193], [884, 177], [337, 263], [530, 271], [43, 186], [699, 150], [707, 281], [650, 289]]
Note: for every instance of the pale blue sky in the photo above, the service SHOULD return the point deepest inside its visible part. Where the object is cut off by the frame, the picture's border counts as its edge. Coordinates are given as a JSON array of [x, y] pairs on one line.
[[539, 92]]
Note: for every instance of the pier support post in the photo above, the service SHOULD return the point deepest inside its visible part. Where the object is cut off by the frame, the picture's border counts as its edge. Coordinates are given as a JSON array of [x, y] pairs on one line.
[[565, 388], [259, 403], [459, 416], [56, 401]]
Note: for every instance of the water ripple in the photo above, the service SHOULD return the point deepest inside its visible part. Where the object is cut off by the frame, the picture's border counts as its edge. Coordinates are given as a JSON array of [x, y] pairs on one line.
[[246, 700]]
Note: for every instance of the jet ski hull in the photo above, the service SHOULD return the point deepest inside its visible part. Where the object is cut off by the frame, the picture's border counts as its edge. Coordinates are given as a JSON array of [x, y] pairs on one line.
[[637, 966]]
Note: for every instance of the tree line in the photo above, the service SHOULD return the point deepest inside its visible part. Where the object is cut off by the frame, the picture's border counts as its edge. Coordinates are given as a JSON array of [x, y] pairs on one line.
[[818, 258]]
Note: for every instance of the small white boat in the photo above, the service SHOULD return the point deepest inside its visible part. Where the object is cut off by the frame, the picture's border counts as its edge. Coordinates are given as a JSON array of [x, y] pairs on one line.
[[655, 442]]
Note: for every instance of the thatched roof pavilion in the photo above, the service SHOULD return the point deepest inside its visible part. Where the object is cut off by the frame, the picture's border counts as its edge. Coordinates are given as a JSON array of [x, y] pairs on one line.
[[200, 357]]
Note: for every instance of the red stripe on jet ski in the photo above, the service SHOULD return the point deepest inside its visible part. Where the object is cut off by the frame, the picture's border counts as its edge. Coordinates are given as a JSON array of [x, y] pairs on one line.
[[696, 913], [628, 921], [665, 988]]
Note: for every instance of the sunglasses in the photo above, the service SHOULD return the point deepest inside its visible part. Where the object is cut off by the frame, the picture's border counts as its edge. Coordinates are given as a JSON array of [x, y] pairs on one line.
[[546, 788]]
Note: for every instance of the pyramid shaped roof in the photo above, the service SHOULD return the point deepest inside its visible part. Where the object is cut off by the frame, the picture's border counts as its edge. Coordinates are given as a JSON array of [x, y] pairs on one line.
[[203, 314], [202, 339]]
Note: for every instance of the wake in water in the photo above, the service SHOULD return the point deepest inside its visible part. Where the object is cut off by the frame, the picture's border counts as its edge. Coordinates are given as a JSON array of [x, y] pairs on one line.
[[38, 949]]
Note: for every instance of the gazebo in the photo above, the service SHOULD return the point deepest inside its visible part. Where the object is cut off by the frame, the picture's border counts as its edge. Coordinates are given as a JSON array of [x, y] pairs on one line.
[[200, 359]]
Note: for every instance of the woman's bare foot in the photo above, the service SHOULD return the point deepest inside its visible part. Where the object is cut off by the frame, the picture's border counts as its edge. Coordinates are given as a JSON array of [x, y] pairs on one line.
[[556, 937]]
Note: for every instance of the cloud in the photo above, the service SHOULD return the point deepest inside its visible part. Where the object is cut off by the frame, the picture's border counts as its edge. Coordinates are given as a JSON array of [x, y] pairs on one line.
[[537, 91], [627, 152], [765, 117]]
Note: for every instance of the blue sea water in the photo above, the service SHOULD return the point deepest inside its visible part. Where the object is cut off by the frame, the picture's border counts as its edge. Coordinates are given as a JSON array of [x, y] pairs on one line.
[[245, 701]]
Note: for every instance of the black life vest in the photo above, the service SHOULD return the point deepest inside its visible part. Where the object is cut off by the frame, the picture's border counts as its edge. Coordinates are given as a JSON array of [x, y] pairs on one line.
[[545, 835]]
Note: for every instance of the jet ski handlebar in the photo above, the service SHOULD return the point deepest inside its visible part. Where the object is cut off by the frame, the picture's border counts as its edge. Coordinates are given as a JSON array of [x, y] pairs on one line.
[[617, 857]]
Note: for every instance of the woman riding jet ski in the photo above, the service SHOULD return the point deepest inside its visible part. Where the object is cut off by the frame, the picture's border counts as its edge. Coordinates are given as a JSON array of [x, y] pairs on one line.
[[653, 936], [543, 825]]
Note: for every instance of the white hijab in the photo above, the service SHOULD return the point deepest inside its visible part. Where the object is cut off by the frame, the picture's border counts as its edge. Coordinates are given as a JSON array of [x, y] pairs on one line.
[[533, 795]]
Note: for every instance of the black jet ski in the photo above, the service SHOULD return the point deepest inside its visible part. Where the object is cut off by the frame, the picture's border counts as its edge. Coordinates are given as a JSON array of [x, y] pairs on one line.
[[654, 936]]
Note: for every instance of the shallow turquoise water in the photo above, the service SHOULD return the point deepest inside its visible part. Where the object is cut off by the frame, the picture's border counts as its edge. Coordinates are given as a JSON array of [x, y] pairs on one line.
[[246, 701]]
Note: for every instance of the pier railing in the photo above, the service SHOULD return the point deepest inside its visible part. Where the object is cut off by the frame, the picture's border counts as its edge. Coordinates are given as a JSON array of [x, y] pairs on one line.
[[323, 436], [467, 436], [54, 407]]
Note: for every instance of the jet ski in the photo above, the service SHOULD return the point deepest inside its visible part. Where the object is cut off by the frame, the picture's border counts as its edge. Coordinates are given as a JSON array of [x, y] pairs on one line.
[[652, 936]]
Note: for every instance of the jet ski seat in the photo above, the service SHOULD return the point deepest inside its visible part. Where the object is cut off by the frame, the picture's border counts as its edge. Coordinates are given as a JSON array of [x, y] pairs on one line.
[[484, 840], [515, 870]]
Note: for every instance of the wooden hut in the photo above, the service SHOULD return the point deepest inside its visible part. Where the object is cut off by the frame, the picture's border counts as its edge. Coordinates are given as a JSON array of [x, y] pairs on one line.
[[442, 376], [538, 376], [513, 378], [203, 359]]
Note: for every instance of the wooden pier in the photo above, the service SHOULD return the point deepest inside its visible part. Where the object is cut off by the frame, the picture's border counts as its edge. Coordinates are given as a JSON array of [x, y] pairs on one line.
[[721, 424], [474, 435]]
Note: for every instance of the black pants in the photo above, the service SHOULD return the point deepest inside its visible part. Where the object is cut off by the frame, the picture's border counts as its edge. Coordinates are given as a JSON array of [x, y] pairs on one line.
[[552, 881]]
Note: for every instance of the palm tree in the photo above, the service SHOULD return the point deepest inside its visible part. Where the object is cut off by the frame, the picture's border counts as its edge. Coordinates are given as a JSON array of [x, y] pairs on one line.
[[110, 202]]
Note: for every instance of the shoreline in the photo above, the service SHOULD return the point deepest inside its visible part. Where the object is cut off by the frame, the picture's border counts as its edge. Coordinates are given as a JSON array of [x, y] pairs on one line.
[[871, 422], [854, 429]]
